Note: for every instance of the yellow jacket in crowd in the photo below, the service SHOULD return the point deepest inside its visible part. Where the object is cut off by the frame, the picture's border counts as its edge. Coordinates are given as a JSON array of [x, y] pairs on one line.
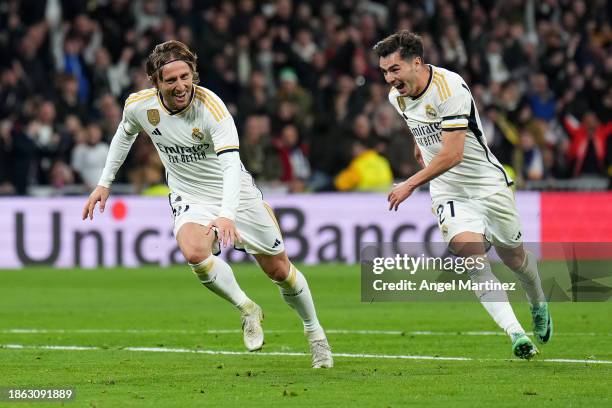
[[368, 171]]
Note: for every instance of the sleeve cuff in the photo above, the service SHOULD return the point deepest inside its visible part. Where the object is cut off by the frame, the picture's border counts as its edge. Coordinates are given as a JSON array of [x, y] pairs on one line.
[[453, 128], [451, 123], [105, 183], [227, 213]]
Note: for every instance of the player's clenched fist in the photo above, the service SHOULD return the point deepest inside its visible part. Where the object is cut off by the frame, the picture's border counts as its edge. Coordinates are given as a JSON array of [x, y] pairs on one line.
[[100, 194]]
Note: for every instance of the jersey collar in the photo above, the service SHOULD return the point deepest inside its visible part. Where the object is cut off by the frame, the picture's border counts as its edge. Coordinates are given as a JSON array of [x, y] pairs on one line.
[[175, 112], [427, 86]]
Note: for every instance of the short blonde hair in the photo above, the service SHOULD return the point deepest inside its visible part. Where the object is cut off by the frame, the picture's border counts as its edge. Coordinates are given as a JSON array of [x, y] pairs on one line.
[[166, 53]]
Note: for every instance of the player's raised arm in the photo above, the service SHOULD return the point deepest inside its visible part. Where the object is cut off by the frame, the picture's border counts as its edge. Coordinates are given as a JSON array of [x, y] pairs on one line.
[[119, 148]]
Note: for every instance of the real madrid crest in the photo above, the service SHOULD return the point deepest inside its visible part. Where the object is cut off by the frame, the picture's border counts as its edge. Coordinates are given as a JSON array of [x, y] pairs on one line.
[[197, 135], [444, 230], [430, 112], [401, 103], [153, 116]]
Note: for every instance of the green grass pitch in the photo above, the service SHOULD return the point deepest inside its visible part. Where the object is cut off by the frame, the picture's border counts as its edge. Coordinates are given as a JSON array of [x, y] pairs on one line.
[[114, 311]]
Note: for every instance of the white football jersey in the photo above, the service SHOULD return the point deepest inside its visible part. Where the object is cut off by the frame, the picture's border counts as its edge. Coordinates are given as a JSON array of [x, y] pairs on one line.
[[446, 104], [189, 142]]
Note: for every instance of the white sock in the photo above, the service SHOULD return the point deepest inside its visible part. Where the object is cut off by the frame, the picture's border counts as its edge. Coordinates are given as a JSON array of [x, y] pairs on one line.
[[217, 275], [530, 279], [495, 301], [296, 293]]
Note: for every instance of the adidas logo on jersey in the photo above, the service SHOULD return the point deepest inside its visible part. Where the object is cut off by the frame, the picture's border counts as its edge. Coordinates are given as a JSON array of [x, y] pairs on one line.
[[156, 132], [276, 243]]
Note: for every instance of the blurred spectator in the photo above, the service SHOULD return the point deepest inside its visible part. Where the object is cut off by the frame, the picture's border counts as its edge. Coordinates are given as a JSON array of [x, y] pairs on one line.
[[110, 115], [60, 175], [589, 145], [108, 77], [528, 159], [293, 158], [368, 171], [49, 144], [498, 72], [303, 45], [67, 101], [454, 53], [254, 99], [6, 185], [541, 99], [148, 13], [257, 153], [75, 65], [89, 156], [35, 59], [290, 92], [12, 90], [362, 131], [24, 154]]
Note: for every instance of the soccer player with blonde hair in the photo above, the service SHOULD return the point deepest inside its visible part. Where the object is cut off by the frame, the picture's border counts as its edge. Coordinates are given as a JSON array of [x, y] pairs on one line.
[[213, 199]]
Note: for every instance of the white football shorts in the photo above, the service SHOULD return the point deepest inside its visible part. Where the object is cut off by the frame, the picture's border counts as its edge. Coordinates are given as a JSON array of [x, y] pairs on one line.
[[495, 217], [255, 222]]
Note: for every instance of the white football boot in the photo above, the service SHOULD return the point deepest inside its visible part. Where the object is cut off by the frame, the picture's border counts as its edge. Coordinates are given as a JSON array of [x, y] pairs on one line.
[[251, 328], [321, 354]]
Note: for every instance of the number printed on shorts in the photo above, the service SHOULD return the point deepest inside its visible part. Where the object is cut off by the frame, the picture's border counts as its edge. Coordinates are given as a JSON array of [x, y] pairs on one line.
[[440, 211]]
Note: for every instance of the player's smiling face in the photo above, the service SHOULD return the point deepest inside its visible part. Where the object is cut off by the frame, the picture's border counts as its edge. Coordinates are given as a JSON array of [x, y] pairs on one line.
[[176, 85], [401, 74]]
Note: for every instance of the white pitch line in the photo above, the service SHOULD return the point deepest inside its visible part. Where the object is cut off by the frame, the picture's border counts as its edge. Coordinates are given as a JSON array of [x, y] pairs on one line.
[[178, 331], [232, 331], [283, 353]]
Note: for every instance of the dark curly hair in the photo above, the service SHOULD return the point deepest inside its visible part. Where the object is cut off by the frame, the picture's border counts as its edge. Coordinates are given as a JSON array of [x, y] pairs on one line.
[[166, 53], [409, 44]]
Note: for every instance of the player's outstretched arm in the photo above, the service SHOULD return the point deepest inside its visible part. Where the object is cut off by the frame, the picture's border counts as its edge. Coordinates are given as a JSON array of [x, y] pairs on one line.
[[225, 139], [117, 152], [450, 156], [100, 194]]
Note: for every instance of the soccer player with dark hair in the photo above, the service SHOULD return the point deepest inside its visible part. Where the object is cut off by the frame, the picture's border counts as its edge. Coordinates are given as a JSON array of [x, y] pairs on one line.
[[470, 190]]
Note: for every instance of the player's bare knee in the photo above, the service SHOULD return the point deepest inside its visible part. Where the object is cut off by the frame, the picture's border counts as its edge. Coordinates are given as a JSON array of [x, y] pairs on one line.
[[195, 254], [194, 243], [195, 249]]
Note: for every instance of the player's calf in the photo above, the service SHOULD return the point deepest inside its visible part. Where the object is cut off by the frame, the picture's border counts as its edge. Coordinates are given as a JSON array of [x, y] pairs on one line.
[[296, 293]]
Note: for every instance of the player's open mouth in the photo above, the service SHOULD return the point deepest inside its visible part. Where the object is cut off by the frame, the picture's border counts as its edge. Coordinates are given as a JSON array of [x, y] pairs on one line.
[[180, 98], [401, 87]]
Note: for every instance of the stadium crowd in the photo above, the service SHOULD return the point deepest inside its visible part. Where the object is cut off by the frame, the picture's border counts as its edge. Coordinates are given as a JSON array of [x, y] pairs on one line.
[[304, 86]]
